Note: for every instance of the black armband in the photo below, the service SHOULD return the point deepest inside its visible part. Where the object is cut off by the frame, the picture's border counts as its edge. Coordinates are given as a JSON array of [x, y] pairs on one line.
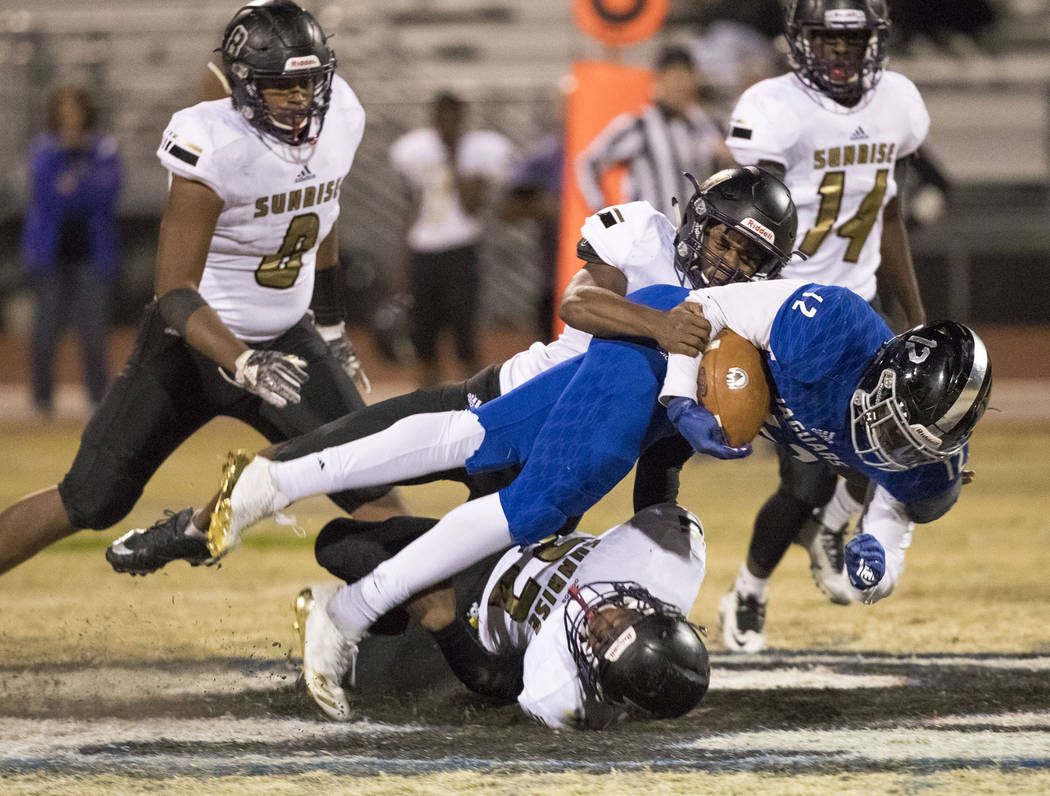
[[327, 302], [586, 252], [496, 676], [176, 306]]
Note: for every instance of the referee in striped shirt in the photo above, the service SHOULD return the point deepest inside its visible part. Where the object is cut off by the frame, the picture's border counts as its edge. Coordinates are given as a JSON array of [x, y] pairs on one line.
[[670, 136]]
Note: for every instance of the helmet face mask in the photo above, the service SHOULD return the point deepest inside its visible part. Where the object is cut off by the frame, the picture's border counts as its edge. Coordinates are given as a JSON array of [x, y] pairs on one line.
[[838, 47], [633, 649], [920, 397], [739, 226], [280, 69]]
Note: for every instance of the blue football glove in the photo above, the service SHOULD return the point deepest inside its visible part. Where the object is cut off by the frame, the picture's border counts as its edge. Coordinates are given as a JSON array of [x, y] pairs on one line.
[[865, 561], [701, 430]]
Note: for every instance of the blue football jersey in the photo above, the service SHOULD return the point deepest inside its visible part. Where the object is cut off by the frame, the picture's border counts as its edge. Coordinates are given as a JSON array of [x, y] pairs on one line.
[[820, 343]]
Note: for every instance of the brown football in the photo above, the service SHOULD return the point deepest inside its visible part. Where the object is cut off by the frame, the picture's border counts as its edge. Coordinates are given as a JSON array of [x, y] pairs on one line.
[[732, 386]]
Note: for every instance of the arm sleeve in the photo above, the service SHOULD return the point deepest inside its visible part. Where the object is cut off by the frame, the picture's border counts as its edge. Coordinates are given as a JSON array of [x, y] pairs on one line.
[[887, 520], [916, 116], [187, 150], [762, 128]]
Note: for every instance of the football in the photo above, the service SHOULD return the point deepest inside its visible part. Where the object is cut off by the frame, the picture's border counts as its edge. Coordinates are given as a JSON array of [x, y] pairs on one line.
[[732, 386]]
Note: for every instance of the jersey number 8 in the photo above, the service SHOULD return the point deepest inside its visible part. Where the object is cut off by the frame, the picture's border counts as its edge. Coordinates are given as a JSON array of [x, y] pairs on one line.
[[280, 269]]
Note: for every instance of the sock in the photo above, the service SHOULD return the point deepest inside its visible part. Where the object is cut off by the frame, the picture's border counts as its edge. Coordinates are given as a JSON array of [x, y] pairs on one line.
[[841, 509], [751, 585], [191, 530], [414, 446], [464, 536]]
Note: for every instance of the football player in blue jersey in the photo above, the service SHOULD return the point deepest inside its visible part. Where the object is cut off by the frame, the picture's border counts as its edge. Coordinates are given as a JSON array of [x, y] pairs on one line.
[[898, 410], [623, 248]]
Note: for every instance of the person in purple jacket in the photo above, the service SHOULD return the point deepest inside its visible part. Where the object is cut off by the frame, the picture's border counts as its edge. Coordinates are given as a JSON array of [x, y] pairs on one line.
[[69, 241]]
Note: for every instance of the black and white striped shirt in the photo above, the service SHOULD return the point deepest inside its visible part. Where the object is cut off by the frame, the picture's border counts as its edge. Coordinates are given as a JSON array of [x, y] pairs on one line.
[[656, 146]]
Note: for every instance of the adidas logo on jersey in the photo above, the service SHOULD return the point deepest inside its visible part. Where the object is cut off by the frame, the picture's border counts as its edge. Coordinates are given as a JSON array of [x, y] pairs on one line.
[[858, 134], [305, 175]]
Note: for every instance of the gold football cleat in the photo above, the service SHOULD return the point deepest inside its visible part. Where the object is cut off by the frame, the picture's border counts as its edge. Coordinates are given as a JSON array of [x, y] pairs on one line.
[[304, 603], [220, 540]]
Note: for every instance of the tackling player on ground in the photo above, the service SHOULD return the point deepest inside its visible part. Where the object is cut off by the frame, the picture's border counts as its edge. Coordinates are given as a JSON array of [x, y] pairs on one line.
[[839, 130], [577, 629], [897, 410]]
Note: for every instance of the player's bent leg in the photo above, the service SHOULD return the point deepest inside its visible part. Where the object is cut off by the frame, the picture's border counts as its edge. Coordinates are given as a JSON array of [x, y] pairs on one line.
[[30, 525], [328, 657]]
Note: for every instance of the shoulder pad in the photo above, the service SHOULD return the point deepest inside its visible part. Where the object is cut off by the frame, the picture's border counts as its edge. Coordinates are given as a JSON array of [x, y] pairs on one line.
[[585, 251]]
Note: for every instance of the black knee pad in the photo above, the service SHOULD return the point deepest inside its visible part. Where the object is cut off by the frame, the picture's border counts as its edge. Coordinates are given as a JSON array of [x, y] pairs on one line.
[[96, 492]]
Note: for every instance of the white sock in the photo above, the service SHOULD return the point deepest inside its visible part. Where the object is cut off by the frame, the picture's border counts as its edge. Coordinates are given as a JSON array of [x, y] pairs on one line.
[[413, 446], [751, 585], [841, 509], [462, 537]]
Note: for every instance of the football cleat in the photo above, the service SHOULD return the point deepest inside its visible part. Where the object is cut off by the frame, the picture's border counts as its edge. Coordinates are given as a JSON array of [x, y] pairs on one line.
[[742, 619], [328, 655], [825, 545], [144, 550], [247, 494]]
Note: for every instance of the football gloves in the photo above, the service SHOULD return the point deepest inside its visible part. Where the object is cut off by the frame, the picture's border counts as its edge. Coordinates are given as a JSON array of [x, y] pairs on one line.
[[701, 430], [865, 560], [339, 345], [273, 376]]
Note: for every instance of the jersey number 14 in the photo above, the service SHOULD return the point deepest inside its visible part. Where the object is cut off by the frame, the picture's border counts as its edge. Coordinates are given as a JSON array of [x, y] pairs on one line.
[[857, 228]]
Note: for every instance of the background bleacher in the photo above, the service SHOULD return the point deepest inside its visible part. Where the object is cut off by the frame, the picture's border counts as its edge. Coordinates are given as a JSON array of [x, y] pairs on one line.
[[985, 261]]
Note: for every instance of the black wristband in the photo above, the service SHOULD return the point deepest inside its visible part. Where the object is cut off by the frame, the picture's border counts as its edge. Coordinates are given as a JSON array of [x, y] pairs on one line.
[[327, 301], [176, 306]]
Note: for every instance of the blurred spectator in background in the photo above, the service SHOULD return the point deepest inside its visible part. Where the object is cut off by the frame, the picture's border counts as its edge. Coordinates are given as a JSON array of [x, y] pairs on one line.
[[735, 47], [449, 174], [671, 136], [534, 193], [69, 241]]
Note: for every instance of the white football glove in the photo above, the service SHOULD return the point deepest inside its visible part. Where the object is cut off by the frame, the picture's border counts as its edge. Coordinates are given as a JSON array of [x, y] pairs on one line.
[[272, 375], [342, 349]]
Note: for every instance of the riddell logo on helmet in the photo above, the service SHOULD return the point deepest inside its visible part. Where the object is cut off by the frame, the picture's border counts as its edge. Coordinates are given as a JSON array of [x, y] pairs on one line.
[[849, 18], [616, 649], [302, 62], [759, 229]]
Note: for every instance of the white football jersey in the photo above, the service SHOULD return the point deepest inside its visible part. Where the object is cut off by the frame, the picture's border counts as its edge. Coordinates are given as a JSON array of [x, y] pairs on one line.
[[524, 603], [632, 237], [839, 167], [279, 203], [421, 157]]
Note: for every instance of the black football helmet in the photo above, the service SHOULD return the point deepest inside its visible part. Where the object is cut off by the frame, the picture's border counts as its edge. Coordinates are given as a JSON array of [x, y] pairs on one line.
[[840, 79], [276, 44], [920, 396], [653, 659], [749, 200]]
